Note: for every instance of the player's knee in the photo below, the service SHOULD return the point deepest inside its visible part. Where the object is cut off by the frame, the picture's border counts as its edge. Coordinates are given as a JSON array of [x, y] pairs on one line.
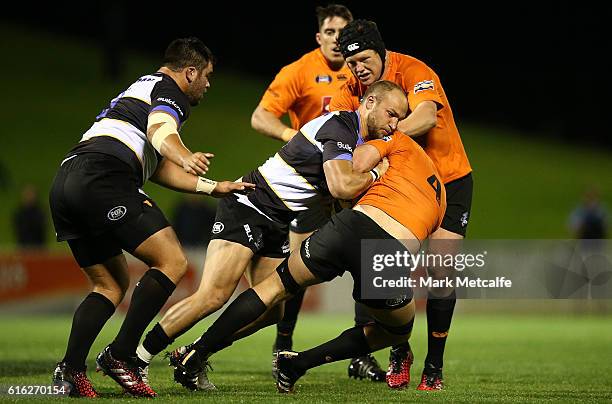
[[289, 283], [112, 291], [175, 266], [398, 333]]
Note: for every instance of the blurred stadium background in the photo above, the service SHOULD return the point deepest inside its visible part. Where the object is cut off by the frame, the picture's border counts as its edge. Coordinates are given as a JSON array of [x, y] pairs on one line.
[[528, 86]]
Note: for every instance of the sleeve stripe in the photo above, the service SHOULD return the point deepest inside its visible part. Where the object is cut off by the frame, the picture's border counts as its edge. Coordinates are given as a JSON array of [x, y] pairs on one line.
[[344, 156]]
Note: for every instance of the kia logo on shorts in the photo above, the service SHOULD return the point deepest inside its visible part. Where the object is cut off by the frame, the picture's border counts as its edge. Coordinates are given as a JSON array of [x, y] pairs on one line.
[[116, 213], [217, 227]]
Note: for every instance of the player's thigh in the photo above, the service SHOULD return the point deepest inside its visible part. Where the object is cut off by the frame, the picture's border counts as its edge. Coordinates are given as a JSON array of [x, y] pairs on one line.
[[296, 240], [458, 205], [260, 268], [163, 250], [443, 243], [226, 262]]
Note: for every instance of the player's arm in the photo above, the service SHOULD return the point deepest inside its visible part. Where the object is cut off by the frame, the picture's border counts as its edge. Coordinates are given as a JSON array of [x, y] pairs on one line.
[[365, 158], [162, 132], [269, 124], [421, 120], [346, 183], [172, 176], [281, 94]]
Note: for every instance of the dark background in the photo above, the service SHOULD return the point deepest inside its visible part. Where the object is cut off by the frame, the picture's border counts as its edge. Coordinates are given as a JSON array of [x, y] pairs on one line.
[[533, 66]]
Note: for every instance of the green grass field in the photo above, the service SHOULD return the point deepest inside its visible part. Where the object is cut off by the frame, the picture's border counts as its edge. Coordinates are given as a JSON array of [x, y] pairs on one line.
[[490, 358]]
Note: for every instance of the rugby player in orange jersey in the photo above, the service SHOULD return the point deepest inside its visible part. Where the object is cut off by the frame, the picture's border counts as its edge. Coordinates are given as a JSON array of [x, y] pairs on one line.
[[404, 206], [431, 123], [303, 90]]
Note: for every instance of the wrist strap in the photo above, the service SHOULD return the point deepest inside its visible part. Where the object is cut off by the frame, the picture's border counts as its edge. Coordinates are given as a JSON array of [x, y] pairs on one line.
[[375, 174], [205, 185]]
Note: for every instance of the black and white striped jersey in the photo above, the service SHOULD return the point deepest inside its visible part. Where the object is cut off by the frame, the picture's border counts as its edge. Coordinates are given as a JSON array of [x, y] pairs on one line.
[[121, 129], [293, 179]]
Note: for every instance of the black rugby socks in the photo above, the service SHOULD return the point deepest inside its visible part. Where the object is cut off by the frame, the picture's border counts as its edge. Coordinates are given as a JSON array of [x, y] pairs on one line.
[[362, 315], [155, 341], [439, 316], [245, 309], [89, 318], [285, 327], [351, 343], [150, 295]]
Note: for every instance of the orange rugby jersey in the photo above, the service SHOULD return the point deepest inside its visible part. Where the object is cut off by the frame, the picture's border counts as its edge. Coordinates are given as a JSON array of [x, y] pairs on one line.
[[304, 89], [410, 191], [442, 143]]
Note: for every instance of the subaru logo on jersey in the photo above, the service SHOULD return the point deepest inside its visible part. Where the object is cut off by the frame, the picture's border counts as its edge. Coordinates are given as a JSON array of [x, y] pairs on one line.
[[344, 146], [116, 213], [217, 228], [423, 85], [323, 78]]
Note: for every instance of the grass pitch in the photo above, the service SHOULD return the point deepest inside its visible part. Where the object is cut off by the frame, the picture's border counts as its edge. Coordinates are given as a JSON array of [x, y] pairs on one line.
[[490, 358]]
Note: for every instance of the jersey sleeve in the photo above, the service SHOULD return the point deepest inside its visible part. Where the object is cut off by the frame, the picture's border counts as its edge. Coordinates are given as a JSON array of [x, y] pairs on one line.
[[344, 100], [167, 97], [384, 145], [284, 90], [424, 86], [337, 139]]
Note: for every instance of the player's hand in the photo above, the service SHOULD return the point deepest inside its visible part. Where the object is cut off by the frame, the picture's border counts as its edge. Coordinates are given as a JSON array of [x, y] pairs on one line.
[[224, 188], [383, 166], [197, 163]]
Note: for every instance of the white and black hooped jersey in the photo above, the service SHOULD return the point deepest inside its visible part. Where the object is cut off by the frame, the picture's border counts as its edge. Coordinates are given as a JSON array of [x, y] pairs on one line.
[[121, 129], [293, 179]]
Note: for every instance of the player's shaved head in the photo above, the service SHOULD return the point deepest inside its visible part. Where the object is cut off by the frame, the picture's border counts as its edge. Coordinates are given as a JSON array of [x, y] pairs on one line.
[[381, 89], [383, 105]]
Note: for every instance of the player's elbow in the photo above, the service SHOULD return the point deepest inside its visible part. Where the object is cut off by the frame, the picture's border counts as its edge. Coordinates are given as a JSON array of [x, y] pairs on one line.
[[258, 120], [255, 121]]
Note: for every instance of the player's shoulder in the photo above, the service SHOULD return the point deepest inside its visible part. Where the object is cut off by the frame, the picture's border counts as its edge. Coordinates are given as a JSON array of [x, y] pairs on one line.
[[338, 124], [304, 62], [408, 65]]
